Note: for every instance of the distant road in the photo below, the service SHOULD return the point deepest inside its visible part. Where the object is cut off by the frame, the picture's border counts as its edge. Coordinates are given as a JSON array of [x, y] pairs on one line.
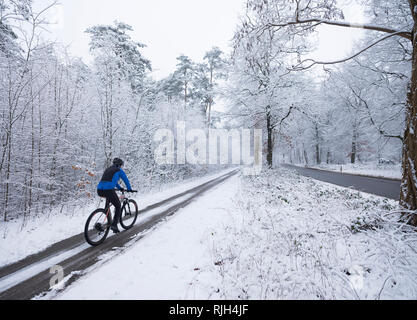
[[388, 188]]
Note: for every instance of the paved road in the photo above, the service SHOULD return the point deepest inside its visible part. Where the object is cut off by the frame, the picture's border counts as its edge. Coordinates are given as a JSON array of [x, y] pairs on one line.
[[388, 188], [31, 276]]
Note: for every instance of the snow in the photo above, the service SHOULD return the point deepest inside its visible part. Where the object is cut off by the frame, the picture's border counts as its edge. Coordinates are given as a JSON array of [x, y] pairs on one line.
[[38, 233], [167, 262], [32, 270], [278, 235], [297, 238], [367, 169], [274, 236]]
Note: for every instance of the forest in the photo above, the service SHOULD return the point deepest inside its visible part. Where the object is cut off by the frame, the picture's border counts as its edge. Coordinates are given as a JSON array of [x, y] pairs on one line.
[[63, 120]]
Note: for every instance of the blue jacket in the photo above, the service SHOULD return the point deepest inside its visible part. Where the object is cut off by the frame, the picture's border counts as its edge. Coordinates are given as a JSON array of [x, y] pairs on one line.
[[111, 177]]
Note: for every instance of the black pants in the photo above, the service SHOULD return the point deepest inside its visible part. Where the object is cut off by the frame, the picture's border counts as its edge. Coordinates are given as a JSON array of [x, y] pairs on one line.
[[112, 197]]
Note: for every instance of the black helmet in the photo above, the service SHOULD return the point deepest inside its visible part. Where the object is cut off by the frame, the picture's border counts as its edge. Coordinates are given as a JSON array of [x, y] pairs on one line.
[[118, 162]]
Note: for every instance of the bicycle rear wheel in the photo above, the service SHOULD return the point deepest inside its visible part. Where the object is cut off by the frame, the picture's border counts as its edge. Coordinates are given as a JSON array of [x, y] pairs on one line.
[[97, 227], [129, 214]]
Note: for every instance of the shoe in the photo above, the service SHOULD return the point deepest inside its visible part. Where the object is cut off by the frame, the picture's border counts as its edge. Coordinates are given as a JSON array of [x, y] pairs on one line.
[[115, 229]]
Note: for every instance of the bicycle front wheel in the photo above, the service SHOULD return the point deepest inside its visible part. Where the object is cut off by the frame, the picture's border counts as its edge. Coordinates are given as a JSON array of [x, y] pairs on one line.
[[129, 214], [97, 227]]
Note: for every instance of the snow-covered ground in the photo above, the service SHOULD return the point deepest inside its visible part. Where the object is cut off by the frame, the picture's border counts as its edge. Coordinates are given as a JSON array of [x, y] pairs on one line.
[[369, 169], [40, 232], [297, 238], [274, 236]]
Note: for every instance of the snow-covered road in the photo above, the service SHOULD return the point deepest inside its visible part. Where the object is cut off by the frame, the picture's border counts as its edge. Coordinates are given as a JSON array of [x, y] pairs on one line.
[[383, 187], [165, 263]]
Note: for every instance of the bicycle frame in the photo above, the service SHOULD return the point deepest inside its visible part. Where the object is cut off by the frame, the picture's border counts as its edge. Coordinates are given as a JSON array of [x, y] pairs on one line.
[[108, 206]]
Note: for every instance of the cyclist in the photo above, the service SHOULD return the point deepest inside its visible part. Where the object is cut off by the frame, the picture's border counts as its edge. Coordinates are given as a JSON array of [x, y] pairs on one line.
[[107, 185]]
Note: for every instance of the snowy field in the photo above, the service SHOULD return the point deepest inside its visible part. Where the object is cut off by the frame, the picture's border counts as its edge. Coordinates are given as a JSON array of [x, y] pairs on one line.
[[368, 169], [18, 240], [275, 236]]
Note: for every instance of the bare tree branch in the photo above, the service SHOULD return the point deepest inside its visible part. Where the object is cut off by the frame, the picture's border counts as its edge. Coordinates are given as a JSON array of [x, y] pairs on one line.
[[314, 62], [404, 34]]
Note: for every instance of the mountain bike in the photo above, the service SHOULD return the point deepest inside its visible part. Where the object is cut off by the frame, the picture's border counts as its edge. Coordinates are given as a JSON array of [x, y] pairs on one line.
[[98, 223]]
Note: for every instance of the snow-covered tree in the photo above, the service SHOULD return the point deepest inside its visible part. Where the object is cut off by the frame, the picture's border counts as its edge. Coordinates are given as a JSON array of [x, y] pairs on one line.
[[216, 66], [390, 19]]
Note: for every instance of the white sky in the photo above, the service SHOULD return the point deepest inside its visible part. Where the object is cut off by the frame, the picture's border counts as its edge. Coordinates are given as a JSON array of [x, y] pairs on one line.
[[169, 28], [173, 27]]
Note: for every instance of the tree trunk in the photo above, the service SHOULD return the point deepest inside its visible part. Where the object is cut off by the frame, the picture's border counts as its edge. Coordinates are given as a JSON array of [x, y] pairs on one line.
[[305, 157], [32, 151], [185, 90], [318, 159], [408, 197], [210, 98], [269, 157], [6, 201], [353, 153], [40, 137], [209, 113]]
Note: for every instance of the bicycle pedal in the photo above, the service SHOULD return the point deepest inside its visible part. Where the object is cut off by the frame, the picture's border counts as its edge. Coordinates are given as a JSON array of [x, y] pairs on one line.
[[115, 229]]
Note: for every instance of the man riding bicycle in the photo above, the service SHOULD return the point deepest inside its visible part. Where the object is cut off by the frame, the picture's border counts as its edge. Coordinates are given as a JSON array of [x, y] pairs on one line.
[[107, 185]]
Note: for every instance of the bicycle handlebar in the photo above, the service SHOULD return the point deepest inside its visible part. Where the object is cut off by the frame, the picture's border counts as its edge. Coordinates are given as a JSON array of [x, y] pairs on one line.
[[126, 191]]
